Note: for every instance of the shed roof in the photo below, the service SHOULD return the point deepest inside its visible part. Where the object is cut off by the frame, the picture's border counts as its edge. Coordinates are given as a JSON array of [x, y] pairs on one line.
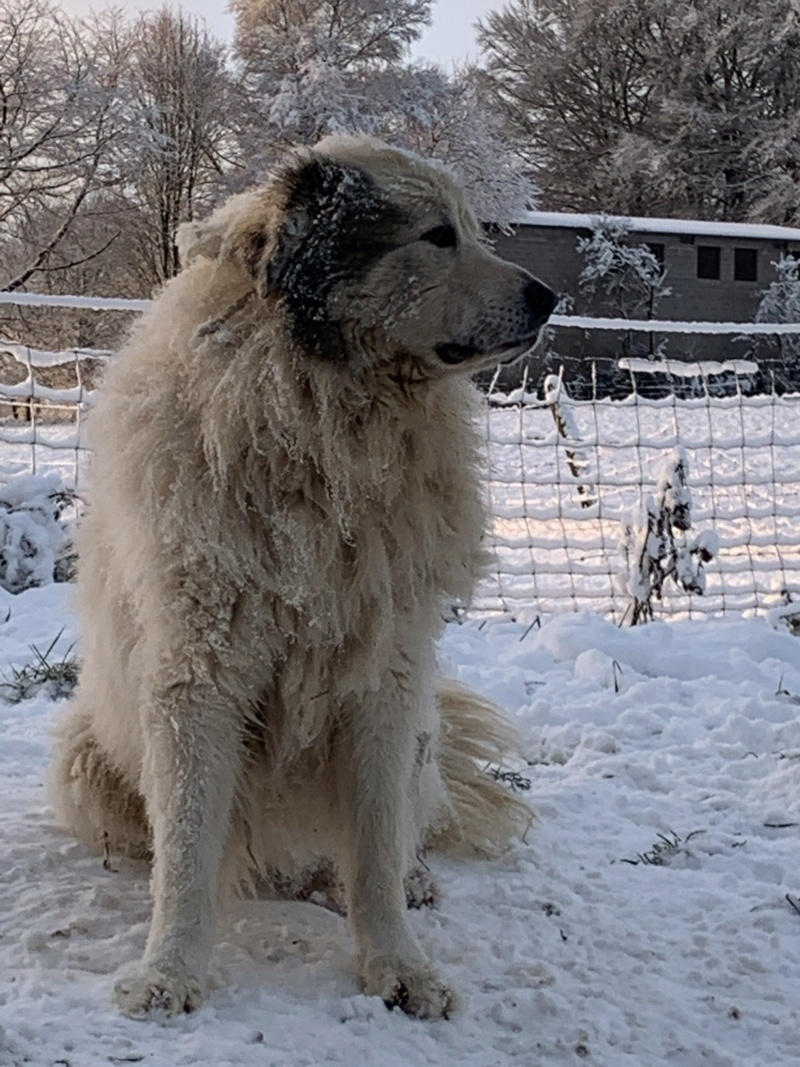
[[690, 227]]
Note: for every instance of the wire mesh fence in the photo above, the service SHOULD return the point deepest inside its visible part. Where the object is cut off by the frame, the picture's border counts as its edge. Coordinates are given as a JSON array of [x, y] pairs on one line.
[[44, 399], [566, 475]]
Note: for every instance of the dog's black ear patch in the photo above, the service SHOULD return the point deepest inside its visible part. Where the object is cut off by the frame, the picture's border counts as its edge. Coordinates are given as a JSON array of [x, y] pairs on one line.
[[336, 224]]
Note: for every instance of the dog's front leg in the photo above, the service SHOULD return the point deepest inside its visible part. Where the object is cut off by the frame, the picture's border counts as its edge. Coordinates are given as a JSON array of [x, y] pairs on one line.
[[191, 763], [375, 768]]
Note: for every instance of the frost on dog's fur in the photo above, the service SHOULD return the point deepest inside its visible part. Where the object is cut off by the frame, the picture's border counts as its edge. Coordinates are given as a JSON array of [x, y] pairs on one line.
[[285, 490]]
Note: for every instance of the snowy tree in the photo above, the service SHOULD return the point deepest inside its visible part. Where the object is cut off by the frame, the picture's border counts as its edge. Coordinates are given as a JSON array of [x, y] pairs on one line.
[[181, 113], [780, 302], [323, 66], [681, 107], [111, 133], [457, 129], [656, 547], [631, 276], [314, 67], [573, 77], [728, 108], [58, 127], [275, 37]]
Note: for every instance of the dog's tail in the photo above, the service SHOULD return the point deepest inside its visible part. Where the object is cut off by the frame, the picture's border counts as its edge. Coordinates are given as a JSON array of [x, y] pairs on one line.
[[90, 796], [477, 739]]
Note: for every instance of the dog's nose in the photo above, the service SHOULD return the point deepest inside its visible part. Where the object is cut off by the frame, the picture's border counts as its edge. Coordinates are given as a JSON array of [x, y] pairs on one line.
[[541, 301]]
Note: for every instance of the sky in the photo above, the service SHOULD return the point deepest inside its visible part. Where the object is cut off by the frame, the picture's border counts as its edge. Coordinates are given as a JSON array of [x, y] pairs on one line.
[[450, 39]]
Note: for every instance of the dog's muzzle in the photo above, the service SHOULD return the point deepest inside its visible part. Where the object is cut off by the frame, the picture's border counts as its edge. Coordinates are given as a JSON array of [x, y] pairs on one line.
[[539, 302]]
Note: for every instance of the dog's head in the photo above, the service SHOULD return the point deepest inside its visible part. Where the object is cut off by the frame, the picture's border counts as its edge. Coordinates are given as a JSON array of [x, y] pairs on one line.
[[374, 256]]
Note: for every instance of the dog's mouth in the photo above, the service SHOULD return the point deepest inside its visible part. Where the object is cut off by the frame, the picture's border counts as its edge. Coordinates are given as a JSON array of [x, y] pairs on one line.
[[454, 354], [512, 352]]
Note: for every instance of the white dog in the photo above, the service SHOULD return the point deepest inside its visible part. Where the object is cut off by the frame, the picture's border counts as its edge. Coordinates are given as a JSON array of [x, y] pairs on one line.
[[285, 492]]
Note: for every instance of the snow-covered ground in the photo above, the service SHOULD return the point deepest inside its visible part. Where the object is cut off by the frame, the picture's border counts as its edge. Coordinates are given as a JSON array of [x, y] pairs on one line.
[[565, 950]]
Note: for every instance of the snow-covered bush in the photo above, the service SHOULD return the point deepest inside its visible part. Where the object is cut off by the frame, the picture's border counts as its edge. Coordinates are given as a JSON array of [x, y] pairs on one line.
[[631, 276], [780, 302], [34, 540], [655, 545], [787, 615]]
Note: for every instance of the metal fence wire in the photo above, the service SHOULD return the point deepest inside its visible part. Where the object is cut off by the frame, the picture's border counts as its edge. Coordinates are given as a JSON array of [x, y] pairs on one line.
[[565, 475]]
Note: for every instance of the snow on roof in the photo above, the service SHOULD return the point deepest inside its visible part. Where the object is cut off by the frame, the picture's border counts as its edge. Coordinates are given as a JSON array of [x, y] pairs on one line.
[[693, 227]]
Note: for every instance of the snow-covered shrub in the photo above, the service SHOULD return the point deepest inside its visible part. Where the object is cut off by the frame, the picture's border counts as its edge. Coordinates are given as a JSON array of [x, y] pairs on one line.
[[780, 302], [787, 615], [34, 540], [655, 545], [556, 397], [631, 275]]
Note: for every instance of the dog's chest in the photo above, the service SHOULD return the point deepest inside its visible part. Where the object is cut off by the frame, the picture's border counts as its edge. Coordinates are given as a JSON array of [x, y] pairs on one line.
[[369, 518], [414, 527]]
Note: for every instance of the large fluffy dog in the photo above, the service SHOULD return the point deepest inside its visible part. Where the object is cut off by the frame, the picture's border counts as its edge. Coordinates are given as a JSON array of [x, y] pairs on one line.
[[285, 492]]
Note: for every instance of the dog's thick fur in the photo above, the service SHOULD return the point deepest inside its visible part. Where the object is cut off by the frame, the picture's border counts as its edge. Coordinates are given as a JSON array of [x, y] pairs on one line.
[[285, 491]]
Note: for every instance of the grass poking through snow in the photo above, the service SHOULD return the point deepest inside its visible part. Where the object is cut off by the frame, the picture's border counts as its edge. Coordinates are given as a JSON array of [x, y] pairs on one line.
[[43, 675]]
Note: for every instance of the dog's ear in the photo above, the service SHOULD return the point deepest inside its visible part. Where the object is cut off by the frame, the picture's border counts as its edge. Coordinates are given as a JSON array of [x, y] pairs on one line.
[[319, 196], [195, 239], [333, 224]]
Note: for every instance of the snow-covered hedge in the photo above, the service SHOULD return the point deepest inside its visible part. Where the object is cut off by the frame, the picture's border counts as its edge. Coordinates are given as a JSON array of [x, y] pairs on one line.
[[35, 546]]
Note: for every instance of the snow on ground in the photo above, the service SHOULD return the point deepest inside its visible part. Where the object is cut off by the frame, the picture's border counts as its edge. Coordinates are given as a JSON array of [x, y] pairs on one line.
[[563, 952]]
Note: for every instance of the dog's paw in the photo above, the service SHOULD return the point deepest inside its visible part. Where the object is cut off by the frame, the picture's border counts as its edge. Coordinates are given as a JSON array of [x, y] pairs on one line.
[[416, 989], [162, 989], [421, 889]]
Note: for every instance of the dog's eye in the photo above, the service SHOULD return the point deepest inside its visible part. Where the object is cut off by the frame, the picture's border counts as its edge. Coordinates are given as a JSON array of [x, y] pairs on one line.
[[443, 236]]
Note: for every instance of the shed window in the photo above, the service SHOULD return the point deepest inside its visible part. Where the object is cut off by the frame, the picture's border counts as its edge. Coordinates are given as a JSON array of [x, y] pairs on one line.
[[745, 264], [708, 261], [657, 249]]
